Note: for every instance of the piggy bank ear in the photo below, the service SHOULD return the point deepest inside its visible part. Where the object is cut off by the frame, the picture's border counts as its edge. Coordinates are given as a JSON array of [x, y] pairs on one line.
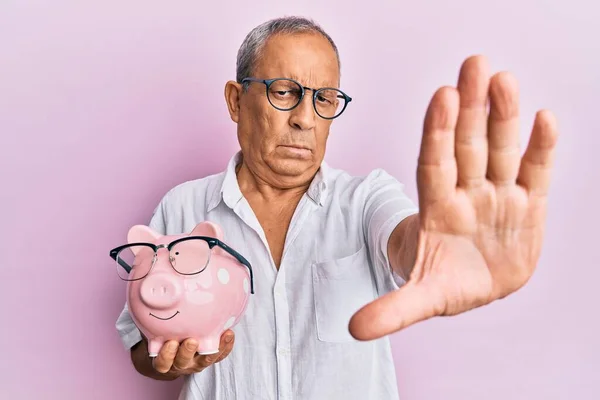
[[142, 233], [207, 228]]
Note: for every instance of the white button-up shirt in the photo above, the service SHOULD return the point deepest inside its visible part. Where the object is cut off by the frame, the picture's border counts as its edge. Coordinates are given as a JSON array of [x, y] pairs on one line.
[[293, 341]]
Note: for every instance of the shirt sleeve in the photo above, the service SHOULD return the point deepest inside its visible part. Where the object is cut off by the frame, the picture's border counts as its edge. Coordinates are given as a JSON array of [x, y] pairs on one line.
[[386, 206], [128, 331]]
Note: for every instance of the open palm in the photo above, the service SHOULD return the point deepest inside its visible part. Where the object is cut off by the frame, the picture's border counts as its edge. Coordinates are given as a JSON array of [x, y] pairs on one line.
[[482, 205]]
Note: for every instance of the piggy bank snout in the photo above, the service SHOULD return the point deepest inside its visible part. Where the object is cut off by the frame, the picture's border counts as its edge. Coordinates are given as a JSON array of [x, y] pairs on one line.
[[161, 290]]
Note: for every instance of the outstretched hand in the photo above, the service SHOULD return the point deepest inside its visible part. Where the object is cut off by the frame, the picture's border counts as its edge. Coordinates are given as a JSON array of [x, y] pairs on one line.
[[482, 206]]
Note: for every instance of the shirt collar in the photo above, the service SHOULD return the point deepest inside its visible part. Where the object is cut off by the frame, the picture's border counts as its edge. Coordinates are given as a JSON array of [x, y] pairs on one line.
[[228, 189], [317, 191]]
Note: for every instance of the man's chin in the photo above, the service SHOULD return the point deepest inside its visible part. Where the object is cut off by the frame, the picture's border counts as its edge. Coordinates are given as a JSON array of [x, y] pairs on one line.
[[292, 167]]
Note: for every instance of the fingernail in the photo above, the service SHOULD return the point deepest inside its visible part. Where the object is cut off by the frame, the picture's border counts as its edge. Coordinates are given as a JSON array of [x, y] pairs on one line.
[[172, 346], [228, 338], [191, 346]]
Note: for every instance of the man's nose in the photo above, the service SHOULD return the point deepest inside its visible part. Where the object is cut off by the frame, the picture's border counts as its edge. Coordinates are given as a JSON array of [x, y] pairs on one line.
[[303, 117]]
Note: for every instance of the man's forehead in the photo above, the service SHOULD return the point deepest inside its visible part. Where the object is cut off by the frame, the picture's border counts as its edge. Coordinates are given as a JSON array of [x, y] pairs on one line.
[[308, 59]]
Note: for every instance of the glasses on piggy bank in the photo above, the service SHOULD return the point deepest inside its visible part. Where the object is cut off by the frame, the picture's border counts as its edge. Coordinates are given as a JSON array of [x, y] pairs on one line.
[[189, 255]]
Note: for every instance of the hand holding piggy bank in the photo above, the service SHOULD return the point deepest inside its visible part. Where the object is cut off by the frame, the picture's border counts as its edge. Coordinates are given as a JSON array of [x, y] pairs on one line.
[[183, 286]]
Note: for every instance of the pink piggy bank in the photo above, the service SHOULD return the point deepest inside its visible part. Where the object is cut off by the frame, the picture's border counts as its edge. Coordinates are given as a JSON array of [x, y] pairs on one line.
[[183, 286]]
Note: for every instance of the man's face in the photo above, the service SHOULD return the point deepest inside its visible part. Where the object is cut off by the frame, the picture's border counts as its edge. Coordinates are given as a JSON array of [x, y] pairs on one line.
[[286, 147]]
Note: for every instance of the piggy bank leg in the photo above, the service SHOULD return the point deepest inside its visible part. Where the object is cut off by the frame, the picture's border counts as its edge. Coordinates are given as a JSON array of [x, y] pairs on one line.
[[208, 345], [154, 346]]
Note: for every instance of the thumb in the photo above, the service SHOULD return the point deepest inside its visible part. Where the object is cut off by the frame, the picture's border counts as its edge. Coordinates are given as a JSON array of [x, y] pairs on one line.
[[394, 311]]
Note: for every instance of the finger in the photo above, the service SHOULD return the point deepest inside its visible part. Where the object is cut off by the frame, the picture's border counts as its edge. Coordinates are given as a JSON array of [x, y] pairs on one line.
[[471, 128], [226, 350], [185, 354], [436, 171], [503, 130], [392, 312], [536, 166], [226, 344], [164, 360]]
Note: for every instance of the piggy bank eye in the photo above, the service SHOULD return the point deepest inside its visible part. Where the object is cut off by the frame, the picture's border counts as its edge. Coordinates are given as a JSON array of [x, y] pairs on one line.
[[176, 253]]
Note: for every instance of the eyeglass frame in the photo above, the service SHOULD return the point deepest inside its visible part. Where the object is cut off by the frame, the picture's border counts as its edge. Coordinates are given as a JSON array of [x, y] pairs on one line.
[[269, 82], [212, 242]]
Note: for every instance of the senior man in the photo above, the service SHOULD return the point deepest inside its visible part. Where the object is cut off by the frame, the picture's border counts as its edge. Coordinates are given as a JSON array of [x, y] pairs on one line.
[[342, 261]]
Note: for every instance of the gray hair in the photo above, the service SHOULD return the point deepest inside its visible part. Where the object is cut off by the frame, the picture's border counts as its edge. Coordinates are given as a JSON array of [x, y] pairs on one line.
[[251, 49]]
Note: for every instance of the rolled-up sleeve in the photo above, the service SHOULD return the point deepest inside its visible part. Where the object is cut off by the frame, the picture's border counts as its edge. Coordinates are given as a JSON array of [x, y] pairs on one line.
[[386, 206], [128, 331]]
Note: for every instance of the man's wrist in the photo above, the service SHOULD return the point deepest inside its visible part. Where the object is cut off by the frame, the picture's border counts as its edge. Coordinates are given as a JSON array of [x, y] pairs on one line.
[[407, 252]]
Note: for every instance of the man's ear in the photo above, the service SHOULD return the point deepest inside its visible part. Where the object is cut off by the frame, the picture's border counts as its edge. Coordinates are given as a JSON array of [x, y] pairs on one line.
[[233, 91]]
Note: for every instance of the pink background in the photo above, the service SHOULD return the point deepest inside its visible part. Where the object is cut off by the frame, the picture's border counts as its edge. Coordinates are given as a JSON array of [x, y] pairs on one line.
[[106, 105]]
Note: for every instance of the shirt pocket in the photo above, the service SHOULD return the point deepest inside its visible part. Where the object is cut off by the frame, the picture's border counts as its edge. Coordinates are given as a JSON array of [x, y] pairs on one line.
[[340, 288]]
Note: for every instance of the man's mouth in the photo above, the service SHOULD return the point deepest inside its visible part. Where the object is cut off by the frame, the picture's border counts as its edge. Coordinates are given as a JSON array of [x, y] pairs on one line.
[[296, 147], [165, 319]]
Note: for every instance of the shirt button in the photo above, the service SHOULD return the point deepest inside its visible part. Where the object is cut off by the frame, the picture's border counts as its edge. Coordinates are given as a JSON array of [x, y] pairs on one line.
[[282, 351]]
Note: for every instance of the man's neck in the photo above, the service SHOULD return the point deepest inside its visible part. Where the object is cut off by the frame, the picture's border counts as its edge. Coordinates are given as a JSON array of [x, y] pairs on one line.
[[251, 185]]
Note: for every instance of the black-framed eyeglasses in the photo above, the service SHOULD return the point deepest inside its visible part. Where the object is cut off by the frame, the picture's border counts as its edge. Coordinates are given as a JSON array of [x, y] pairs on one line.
[[286, 94], [188, 255]]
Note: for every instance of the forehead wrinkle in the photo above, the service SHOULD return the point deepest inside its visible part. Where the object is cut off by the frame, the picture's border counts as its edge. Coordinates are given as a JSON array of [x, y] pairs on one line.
[[311, 81]]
